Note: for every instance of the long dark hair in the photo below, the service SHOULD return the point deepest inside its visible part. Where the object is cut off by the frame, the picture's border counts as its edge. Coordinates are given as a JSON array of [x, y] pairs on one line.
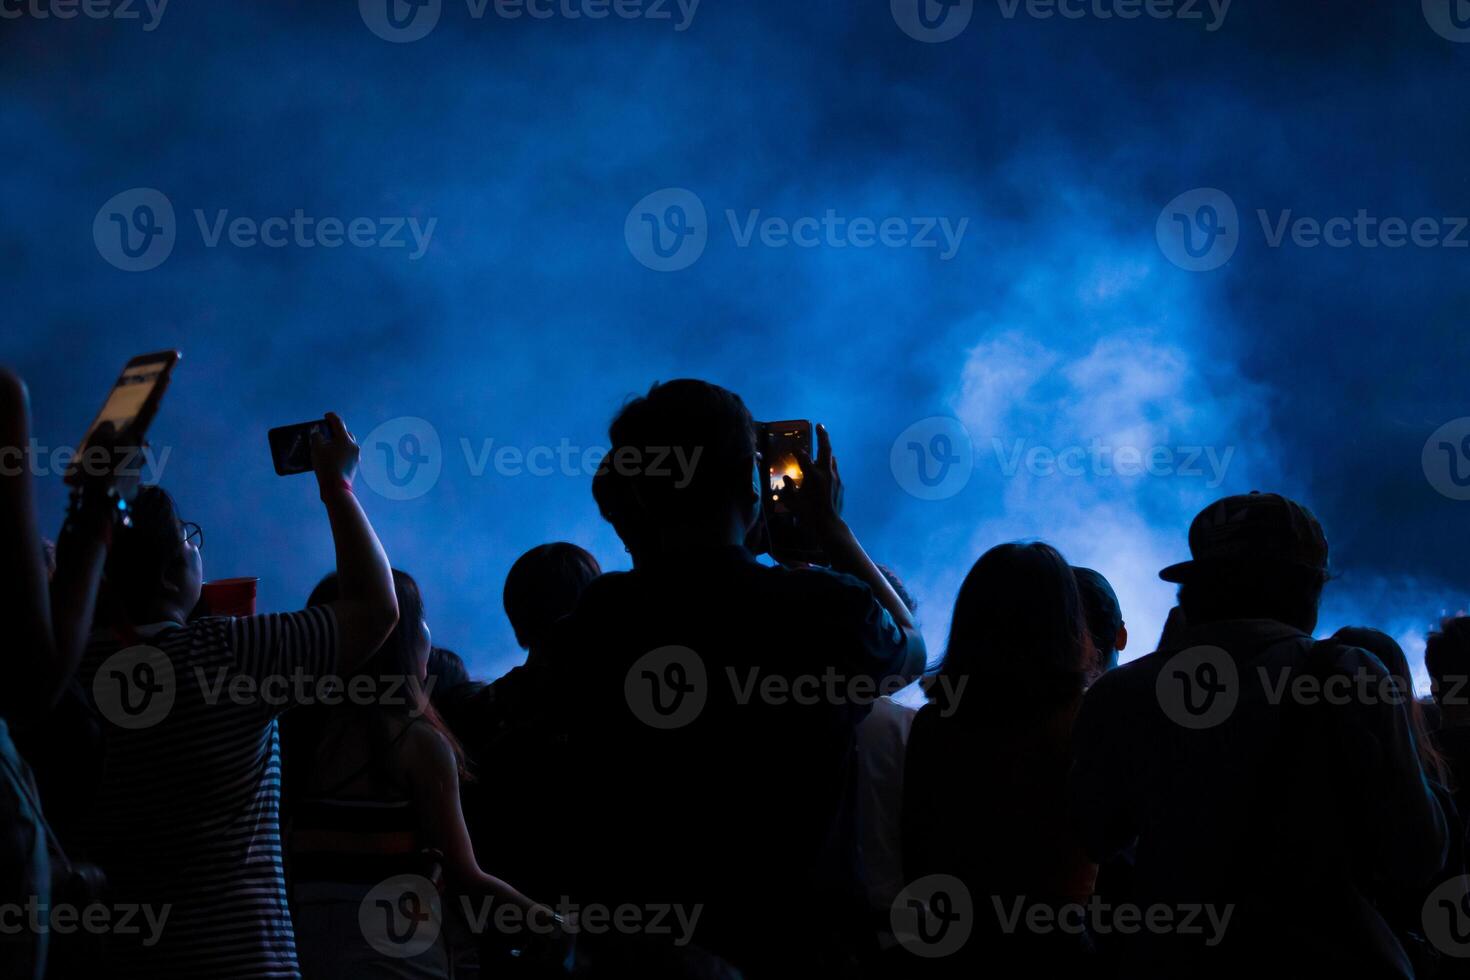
[[1387, 649], [394, 666], [1018, 633]]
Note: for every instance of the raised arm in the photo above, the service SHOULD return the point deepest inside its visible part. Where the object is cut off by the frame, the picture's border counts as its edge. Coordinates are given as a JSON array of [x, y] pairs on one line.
[[820, 500], [24, 603], [368, 608], [52, 619]]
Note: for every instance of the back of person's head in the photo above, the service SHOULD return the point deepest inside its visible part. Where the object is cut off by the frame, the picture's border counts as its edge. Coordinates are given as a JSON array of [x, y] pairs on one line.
[[688, 448], [1388, 651], [398, 667], [1255, 556], [1447, 660], [405, 653], [1104, 616], [1018, 632], [447, 669], [544, 585], [613, 492], [150, 565]]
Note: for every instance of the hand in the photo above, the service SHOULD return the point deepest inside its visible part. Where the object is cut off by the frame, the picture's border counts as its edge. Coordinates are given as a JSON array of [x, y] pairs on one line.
[[334, 459], [109, 469], [818, 501]]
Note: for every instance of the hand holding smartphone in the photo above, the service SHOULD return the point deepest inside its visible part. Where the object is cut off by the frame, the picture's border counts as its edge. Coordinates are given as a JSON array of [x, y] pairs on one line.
[[787, 448], [122, 424], [291, 445]]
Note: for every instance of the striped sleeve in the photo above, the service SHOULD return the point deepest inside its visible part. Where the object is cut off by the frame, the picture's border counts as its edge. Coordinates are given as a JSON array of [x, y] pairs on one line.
[[279, 649]]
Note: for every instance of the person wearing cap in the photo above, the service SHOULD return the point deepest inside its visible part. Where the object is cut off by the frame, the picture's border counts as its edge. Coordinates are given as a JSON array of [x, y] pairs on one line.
[[1257, 787]]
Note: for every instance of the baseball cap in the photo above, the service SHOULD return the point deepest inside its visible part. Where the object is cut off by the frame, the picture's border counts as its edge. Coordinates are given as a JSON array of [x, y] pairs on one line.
[[1254, 529]]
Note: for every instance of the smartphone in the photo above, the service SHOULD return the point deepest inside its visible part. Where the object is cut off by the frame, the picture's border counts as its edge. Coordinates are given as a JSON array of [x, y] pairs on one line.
[[779, 444], [130, 406], [291, 445]]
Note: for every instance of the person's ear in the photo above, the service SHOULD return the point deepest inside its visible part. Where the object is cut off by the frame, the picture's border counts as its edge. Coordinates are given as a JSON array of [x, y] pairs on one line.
[[1122, 641]]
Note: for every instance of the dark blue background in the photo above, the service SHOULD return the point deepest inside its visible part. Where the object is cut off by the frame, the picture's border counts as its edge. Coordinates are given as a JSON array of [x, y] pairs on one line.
[[529, 319]]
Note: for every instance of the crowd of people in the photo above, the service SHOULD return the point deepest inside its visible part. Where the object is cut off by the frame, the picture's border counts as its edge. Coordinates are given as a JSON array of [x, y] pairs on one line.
[[713, 765]]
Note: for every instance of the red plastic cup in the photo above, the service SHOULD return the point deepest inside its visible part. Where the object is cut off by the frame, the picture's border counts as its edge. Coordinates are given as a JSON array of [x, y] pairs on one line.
[[229, 596]]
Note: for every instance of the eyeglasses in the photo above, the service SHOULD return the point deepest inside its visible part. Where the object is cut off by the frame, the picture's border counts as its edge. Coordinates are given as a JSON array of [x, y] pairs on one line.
[[193, 534]]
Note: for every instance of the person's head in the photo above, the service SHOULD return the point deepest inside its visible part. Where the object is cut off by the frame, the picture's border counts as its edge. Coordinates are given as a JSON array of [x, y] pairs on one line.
[[1104, 616], [544, 585], [398, 669], [688, 449], [613, 492], [1447, 659], [406, 651], [1387, 650], [447, 669], [1018, 631], [1255, 556], [154, 569]]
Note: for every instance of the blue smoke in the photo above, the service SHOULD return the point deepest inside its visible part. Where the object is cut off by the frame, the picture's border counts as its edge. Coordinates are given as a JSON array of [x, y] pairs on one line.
[[1048, 147]]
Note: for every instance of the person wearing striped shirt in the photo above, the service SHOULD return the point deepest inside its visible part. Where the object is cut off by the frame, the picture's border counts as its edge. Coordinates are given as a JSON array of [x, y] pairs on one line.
[[187, 821]]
